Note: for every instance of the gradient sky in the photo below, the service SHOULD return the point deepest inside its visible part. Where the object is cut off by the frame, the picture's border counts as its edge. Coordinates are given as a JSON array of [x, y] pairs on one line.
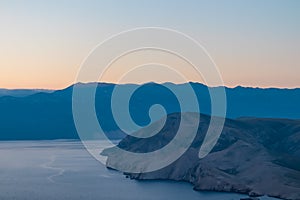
[[254, 43]]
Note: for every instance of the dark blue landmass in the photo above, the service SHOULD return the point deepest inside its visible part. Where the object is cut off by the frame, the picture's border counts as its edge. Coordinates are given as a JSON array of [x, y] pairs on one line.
[[44, 115]]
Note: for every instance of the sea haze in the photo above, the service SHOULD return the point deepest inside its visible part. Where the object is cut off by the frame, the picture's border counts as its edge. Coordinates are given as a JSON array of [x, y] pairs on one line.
[[63, 169]]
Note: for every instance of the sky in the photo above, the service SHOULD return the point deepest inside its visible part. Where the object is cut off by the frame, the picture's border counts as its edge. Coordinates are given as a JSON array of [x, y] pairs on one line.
[[254, 43]]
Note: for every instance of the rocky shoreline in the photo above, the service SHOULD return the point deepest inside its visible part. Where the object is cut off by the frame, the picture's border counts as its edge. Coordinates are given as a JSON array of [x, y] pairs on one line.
[[256, 157]]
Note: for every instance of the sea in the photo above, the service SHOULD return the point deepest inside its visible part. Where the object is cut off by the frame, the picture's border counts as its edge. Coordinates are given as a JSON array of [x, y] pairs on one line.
[[64, 169]]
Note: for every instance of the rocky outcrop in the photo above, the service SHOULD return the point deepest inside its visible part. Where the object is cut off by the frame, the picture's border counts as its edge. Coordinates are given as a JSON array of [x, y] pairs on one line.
[[253, 156]]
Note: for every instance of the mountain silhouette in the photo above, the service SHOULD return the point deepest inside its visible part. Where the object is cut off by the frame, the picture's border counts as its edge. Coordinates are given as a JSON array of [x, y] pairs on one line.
[[44, 115]]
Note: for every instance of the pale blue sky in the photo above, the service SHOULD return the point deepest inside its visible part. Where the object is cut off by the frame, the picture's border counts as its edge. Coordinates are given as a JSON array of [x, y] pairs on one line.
[[254, 43]]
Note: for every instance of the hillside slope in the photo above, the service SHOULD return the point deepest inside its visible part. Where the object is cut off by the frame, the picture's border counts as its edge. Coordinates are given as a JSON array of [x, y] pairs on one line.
[[252, 156]]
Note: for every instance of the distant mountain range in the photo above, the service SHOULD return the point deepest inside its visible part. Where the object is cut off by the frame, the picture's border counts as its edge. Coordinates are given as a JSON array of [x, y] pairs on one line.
[[32, 115], [253, 156], [21, 92]]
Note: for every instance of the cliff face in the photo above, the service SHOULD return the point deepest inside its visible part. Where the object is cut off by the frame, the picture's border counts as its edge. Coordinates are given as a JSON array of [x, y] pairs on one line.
[[252, 156]]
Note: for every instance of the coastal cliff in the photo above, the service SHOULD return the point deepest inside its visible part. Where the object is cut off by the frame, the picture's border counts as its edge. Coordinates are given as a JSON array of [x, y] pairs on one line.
[[253, 156]]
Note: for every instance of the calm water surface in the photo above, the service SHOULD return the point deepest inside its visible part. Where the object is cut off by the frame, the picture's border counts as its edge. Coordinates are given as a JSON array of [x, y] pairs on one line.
[[65, 170]]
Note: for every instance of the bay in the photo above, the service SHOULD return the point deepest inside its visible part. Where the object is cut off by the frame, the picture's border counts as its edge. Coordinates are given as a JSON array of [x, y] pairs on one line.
[[63, 169]]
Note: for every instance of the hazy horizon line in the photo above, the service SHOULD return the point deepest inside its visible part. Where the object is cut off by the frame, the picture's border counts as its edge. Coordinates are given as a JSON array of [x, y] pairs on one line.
[[129, 83]]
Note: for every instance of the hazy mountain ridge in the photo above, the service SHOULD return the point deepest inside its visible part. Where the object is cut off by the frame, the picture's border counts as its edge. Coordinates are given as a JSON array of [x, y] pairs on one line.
[[22, 92], [49, 115], [252, 156]]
